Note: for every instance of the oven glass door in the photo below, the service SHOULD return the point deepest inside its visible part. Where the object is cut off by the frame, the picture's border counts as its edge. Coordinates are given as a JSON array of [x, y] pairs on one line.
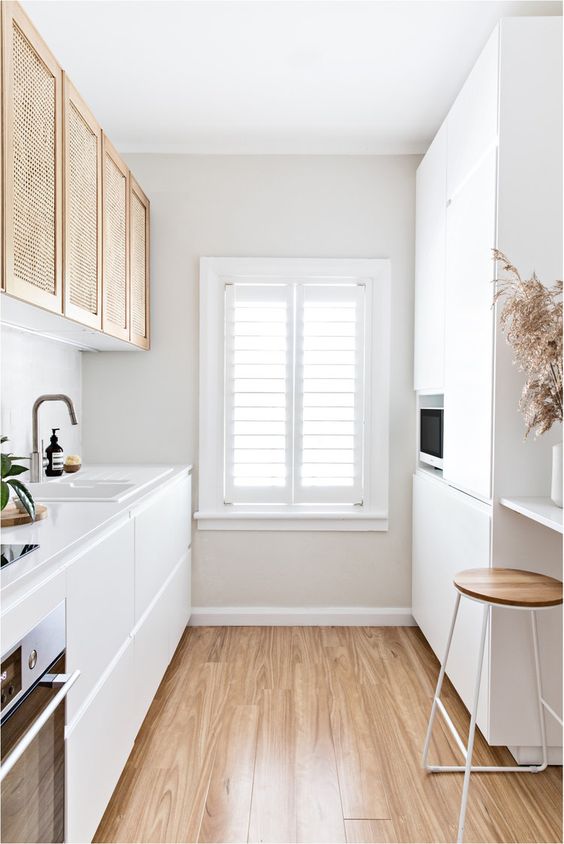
[[33, 792]]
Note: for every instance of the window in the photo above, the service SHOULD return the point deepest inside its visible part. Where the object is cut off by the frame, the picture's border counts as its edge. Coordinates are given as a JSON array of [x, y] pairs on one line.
[[294, 393]]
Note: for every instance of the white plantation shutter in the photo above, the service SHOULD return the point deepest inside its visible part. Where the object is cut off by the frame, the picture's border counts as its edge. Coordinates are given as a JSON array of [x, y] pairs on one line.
[[258, 393], [294, 392], [329, 416]]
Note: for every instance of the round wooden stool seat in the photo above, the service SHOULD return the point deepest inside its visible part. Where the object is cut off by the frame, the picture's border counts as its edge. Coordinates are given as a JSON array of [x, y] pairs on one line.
[[511, 587]]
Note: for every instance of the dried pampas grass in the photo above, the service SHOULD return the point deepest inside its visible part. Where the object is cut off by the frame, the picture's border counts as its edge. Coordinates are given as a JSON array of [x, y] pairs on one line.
[[531, 317]]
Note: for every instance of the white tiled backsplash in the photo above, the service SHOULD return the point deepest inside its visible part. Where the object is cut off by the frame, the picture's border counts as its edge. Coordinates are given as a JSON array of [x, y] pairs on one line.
[[32, 366]]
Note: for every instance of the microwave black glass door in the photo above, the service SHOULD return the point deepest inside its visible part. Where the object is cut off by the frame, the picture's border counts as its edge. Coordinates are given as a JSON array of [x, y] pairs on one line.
[[432, 432]]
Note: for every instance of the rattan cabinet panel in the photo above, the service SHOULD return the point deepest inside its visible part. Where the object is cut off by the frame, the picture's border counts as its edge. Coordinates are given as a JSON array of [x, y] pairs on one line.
[[139, 265], [115, 245], [83, 211], [32, 134]]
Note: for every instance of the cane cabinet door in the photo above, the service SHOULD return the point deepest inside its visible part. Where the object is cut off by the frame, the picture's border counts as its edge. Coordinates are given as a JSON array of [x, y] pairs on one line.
[[115, 243], [138, 266], [82, 164], [32, 144]]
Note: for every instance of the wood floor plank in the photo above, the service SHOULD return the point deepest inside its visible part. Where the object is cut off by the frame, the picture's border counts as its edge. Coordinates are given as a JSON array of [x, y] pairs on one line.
[[273, 808], [357, 753], [228, 804], [319, 813], [369, 831]]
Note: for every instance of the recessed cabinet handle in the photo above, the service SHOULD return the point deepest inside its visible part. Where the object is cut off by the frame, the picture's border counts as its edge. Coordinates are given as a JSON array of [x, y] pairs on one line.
[[37, 725]]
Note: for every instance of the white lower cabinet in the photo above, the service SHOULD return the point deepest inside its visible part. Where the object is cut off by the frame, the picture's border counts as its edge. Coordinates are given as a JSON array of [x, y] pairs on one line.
[[98, 745], [451, 533], [128, 604]]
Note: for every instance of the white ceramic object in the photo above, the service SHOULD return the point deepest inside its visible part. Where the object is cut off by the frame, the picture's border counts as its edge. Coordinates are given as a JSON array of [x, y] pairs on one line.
[[556, 486]]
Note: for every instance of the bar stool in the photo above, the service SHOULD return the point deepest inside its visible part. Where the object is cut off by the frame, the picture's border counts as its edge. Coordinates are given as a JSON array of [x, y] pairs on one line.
[[514, 589]]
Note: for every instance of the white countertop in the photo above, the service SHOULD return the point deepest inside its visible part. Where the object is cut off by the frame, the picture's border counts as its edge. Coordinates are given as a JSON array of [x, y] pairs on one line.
[[70, 523]]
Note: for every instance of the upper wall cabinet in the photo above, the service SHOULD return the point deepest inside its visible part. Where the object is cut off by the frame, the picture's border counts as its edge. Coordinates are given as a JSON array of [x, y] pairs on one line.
[[471, 224], [138, 265], [32, 135], [472, 121], [67, 207], [83, 211], [115, 251], [430, 244]]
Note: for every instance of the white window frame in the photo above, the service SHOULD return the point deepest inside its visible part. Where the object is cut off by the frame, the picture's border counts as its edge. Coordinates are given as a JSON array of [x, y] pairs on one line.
[[214, 513]]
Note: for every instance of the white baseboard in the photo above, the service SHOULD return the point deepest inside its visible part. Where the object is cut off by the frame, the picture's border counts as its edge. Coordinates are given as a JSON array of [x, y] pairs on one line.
[[302, 616]]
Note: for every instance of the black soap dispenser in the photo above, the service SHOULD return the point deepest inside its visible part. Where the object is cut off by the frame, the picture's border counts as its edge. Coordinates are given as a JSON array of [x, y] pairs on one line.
[[55, 457]]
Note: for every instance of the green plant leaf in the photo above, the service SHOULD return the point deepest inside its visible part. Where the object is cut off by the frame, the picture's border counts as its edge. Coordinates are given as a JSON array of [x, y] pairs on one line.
[[17, 470], [24, 495], [5, 494], [6, 464], [3, 439]]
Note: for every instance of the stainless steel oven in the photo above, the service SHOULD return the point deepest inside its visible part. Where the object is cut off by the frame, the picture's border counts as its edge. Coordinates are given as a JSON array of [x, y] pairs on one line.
[[32, 734]]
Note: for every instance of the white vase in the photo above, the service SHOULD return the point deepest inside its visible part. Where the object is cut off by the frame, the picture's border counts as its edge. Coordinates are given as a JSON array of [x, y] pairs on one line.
[[556, 487]]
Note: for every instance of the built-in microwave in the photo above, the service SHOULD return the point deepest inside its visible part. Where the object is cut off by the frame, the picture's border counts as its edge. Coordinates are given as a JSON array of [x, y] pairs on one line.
[[431, 436]]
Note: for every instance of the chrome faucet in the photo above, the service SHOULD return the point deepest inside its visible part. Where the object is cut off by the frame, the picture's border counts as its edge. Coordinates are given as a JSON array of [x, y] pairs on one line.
[[36, 463]]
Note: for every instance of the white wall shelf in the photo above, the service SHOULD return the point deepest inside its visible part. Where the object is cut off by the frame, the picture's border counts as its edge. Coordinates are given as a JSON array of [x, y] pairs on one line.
[[540, 510]]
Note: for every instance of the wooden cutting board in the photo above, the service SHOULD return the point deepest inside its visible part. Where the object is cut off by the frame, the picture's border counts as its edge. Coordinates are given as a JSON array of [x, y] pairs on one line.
[[11, 516]]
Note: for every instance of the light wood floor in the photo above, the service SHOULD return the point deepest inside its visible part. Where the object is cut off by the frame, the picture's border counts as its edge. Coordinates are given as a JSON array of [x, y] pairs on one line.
[[308, 734]]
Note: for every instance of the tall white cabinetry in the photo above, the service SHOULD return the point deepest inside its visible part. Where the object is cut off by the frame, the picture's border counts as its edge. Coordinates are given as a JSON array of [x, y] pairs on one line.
[[496, 163]]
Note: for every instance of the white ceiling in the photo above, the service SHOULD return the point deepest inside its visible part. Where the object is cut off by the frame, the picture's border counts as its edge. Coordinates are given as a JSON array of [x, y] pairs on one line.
[[271, 77]]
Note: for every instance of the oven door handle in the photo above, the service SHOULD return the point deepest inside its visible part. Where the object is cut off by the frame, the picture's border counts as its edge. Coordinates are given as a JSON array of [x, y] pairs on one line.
[[39, 722]]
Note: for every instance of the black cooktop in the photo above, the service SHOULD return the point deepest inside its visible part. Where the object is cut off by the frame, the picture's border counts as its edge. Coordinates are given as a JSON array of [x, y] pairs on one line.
[[11, 553]]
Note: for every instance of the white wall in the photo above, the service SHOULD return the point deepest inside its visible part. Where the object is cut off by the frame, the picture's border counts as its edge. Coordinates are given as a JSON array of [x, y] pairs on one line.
[[144, 407], [32, 366]]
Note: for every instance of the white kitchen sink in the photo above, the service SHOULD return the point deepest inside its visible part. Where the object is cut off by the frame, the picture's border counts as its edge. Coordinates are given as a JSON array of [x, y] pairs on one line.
[[81, 490]]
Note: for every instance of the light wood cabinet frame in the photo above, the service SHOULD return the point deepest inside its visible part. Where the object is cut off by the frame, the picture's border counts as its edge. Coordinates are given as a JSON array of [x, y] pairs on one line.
[[71, 99], [2, 162], [13, 15], [141, 340], [108, 325]]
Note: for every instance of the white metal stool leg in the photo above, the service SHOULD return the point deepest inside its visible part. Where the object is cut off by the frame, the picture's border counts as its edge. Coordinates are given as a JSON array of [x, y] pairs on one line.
[[541, 702], [436, 698], [472, 732]]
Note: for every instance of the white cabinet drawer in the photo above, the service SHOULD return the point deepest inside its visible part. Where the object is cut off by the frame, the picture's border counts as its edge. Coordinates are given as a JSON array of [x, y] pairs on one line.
[[472, 120], [99, 610], [158, 636], [162, 536], [179, 600], [451, 532], [152, 655], [97, 749]]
